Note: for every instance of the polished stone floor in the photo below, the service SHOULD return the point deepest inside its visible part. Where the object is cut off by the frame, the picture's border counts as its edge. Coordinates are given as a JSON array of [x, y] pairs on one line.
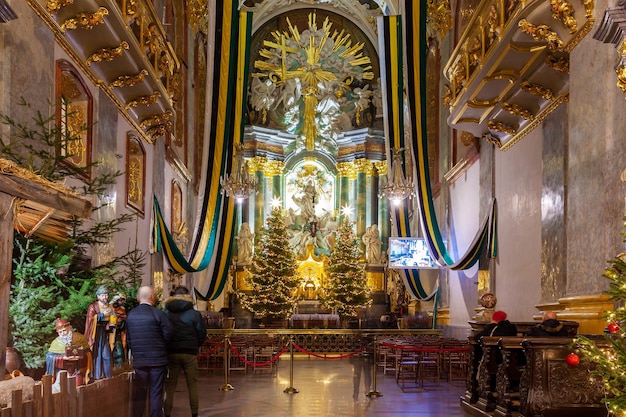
[[325, 389]]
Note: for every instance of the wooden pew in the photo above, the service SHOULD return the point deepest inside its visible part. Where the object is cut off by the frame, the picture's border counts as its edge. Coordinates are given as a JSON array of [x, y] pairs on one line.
[[509, 376], [552, 388]]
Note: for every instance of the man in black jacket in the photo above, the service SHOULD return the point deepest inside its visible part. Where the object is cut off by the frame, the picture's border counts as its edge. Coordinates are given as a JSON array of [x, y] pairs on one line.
[[550, 326], [189, 334], [147, 331]]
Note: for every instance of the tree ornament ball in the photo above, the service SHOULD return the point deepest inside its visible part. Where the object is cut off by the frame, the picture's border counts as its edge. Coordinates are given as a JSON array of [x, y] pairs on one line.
[[614, 327], [572, 359]]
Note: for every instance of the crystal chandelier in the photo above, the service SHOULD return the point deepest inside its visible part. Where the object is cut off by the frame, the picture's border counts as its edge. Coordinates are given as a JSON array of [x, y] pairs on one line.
[[397, 187], [240, 184]]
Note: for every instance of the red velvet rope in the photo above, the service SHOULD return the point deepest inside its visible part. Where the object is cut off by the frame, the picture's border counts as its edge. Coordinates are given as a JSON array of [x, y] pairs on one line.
[[209, 352], [247, 362], [317, 355]]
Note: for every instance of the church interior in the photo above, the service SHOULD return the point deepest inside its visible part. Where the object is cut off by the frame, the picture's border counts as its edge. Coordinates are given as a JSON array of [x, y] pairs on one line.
[[475, 148]]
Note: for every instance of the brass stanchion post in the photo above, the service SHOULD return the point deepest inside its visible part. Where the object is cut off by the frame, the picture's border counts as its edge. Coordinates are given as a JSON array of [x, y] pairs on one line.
[[374, 393], [290, 389], [226, 386]]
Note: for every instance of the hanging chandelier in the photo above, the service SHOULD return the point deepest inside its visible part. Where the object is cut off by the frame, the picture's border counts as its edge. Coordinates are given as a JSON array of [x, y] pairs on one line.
[[240, 184], [397, 187]]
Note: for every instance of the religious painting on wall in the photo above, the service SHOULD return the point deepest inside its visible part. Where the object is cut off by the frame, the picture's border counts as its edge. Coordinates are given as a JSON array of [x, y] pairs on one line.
[[135, 173], [74, 117], [179, 227]]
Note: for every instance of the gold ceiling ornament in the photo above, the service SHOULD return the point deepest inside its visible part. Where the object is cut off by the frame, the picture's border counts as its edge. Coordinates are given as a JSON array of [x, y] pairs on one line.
[[501, 127], [157, 131], [439, 17], [560, 64], [56, 5], [316, 59], [494, 140], [517, 110], [143, 100], [537, 90], [107, 54], [85, 20], [542, 33], [157, 119], [564, 11], [128, 80], [198, 15]]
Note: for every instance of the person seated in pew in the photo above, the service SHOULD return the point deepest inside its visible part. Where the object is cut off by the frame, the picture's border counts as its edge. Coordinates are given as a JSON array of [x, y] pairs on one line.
[[499, 326], [550, 326]]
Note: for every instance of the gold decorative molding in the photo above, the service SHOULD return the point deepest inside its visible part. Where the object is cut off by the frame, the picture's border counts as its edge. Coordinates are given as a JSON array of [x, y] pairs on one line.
[[363, 165], [128, 80], [85, 20], [56, 5], [157, 131], [346, 169], [501, 127], [517, 110], [381, 167], [560, 64], [439, 17], [503, 44], [257, 164], [274, 167], [107, 54], [157, 119], [537, 90], [542, 33], [143, 100], [564, 11]]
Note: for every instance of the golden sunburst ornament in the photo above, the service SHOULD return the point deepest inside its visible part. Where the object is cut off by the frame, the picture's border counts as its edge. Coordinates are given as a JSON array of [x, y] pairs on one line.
[[320, 61]]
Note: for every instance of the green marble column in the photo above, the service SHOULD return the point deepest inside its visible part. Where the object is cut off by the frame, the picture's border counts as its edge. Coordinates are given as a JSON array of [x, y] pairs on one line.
[[383, 206], [361, 166], [258, 165], [345, 169]]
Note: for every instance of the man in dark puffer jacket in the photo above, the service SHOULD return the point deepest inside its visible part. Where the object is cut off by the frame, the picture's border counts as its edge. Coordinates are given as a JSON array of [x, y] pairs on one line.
[[147, 331], [550, 326], [189, 334]]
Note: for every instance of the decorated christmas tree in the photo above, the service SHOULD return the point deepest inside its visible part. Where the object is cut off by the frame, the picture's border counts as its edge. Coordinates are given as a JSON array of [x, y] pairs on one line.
[[347, 289], [611, 363], [274, 279]]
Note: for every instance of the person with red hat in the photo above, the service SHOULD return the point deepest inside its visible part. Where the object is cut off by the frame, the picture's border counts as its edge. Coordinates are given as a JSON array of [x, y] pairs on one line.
[[68, 340], [499, 326]]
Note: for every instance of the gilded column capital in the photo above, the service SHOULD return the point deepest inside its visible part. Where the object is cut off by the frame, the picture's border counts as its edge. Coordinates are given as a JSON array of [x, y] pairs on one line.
[[274, 167], [363, 165], [346, 169], [381, 167], [257, 163]]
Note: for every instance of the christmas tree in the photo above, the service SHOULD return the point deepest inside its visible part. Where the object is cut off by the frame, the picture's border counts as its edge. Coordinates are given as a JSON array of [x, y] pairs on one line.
[[611, 363], [347, 282], [274, 279]]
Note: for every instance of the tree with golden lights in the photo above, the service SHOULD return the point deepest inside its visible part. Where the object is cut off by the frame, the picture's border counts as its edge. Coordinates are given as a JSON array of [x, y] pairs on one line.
[[274, 279], [611, 363], [347, 288]]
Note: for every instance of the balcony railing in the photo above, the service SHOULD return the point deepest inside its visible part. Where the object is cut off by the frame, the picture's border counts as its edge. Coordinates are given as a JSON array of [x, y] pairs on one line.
[[510, 68], [123, 48]]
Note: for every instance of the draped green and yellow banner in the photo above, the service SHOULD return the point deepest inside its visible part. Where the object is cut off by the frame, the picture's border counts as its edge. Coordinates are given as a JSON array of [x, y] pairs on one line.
[[391, 43], [214, 232]]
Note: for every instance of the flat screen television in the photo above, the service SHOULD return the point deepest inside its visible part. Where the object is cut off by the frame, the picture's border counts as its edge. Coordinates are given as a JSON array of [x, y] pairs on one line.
[[410, 253]]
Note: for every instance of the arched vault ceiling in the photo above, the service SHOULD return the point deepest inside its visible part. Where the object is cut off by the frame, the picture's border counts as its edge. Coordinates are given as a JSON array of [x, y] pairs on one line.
[[362, 12]]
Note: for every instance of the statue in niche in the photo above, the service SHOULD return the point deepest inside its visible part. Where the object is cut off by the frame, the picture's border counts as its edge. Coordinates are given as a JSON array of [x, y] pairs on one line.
[[373, 245], [244, 244], [307, 202]]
